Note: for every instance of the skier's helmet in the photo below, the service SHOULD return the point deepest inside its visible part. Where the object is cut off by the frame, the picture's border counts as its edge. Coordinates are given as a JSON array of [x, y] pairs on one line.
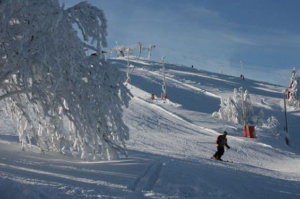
[[225, 133]]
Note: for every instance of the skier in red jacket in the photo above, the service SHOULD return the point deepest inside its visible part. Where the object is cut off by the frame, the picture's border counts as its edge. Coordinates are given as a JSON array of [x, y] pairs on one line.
[[221, 143]]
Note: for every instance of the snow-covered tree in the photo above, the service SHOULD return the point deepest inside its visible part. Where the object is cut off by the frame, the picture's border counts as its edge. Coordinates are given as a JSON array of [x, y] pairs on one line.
[[272, 124], [232, 109], [49, 84], [294, 98]]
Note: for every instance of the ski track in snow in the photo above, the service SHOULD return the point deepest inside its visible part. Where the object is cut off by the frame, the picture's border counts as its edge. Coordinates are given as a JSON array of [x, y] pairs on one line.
[[147, 180], [84, 180]]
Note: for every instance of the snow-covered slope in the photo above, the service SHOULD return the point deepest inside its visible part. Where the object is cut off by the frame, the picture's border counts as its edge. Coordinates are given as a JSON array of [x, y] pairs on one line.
[[170, 146]]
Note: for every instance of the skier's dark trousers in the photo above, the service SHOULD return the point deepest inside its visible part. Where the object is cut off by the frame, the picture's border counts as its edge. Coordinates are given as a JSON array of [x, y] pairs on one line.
[[221, 143]]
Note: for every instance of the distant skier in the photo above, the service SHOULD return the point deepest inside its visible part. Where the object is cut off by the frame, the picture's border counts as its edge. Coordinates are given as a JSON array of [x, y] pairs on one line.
[[242, 77], [221, 143]]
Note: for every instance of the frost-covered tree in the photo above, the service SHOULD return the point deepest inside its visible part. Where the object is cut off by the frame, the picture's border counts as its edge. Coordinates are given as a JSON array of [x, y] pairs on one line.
[[294, 98], [272, 125], [53, 91], [231, 109]]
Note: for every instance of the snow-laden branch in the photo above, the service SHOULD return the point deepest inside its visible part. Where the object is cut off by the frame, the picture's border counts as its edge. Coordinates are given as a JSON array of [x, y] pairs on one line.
[[91, 22]]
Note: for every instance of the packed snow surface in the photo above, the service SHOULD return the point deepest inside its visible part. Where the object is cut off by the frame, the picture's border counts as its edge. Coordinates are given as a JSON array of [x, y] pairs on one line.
[[171, 142]]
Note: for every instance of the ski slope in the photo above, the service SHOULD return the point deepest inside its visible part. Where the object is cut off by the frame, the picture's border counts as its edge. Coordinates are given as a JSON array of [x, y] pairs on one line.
[[170, 146]]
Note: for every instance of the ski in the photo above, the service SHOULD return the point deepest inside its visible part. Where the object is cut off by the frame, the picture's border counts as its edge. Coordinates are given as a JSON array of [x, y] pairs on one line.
[[212, 158], [227, 161]]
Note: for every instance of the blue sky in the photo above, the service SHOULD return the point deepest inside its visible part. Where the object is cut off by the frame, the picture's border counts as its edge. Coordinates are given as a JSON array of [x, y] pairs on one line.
[[211, 34]]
